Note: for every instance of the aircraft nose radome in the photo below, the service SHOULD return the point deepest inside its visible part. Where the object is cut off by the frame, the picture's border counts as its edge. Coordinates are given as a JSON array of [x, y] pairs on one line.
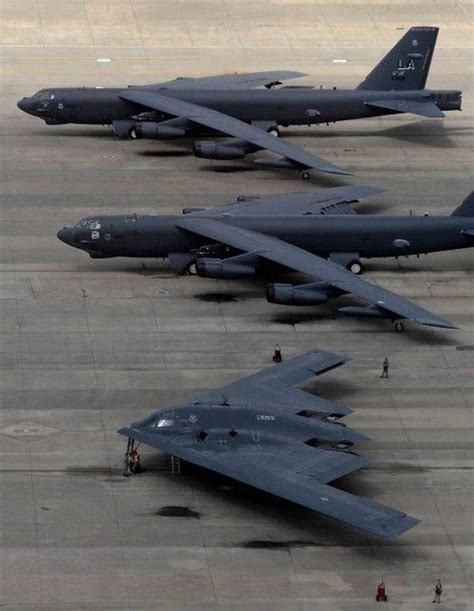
[[64, 235], [24, 104]]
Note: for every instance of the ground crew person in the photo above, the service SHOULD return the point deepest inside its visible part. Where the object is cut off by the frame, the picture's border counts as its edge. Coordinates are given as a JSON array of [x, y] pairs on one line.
[[135, 466], [385, 368], [277, 358], [438, 591]]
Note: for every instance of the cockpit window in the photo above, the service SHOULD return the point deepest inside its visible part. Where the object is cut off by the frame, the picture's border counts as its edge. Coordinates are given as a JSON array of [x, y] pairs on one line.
[[89, 224], [44, 94], [161, 423]]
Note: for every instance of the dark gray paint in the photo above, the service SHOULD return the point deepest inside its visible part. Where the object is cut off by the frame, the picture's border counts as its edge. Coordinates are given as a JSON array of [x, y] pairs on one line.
[[285, 441], [299, 231], [227, 104]]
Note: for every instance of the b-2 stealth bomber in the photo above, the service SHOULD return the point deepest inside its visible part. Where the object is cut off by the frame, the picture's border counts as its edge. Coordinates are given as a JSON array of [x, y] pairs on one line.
[[232, 104], [265, 433], [318, 234]]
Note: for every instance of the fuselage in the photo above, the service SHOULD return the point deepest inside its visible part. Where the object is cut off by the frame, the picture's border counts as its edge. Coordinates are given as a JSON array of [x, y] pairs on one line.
[[367, 235], [283, 106]]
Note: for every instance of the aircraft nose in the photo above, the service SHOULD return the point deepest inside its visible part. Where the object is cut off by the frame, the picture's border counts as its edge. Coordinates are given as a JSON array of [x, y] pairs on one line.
[[66, 235], [24, 104]]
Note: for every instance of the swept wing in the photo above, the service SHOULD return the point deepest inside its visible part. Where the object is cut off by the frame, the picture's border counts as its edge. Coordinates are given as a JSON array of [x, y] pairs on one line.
[[281, 252], [229, 125], [231, 81], [337, 200], [240, 432]]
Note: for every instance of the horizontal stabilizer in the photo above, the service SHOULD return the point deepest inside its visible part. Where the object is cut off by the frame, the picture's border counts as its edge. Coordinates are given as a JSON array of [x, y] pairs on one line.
[[424, 109]]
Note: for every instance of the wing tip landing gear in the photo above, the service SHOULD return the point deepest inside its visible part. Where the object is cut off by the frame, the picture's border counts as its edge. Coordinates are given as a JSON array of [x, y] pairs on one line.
[[305, 175], [356, 267], [398, 326]]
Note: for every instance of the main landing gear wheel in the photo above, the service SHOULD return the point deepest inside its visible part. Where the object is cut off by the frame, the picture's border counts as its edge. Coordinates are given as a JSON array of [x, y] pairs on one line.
[[132, 133], [399, 326], [355, 267], [305, 174], [192, 269], [274, 131]]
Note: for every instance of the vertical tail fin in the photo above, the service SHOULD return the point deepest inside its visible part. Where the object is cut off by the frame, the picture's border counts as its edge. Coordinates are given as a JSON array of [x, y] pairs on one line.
[[407, 65], [466, 208]]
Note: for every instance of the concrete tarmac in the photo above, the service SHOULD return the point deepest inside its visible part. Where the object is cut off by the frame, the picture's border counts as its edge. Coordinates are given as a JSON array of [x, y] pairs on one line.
[[89, 346]]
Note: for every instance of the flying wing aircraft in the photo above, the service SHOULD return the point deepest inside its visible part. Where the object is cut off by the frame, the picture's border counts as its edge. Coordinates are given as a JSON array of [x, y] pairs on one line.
[[265, 433]]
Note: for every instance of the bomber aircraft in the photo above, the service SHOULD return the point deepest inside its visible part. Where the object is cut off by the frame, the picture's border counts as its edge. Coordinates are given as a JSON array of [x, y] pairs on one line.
[[232, 104], [288, 442], [317, 233]]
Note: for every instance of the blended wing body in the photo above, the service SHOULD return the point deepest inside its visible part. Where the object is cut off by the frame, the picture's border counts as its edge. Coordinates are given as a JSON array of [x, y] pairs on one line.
[[278, 251], [228, 125], [256, 432]]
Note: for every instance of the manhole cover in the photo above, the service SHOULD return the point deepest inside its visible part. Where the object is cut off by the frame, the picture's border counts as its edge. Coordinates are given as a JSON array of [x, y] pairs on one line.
[[29, 430]]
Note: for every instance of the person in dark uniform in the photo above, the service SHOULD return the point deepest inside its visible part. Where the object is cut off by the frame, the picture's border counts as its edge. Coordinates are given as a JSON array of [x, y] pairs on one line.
[[277, 358], [385, 368], [438, 591]]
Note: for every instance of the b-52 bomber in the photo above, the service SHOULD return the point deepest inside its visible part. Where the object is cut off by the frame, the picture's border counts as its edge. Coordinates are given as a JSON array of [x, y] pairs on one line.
[[317, 233], [236, 105], [283, 440]]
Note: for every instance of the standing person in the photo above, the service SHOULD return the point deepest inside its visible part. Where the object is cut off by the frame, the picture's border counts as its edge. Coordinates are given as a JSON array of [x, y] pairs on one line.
[[438, 591], [385, 368], [277, 358]]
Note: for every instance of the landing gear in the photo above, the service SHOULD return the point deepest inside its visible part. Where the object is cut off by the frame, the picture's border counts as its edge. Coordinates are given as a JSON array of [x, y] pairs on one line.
[[132, 133], [398, 326], [192, 269], [355, 267], [175, 465], [131, 461], [274, 131], [305, 174]]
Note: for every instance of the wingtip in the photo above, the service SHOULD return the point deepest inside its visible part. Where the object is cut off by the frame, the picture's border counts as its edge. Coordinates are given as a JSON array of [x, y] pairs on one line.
[[438, 322], [400, 526]]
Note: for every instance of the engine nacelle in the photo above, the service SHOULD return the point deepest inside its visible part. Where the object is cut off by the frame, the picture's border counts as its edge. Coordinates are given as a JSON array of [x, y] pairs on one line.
[[211, 150], [287, 294], [156, 131], [218, 268]]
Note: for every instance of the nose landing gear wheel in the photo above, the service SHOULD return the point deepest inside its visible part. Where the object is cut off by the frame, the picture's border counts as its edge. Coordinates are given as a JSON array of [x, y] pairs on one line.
[[304, 174], [399, 326], [356, 267], [192, 269]]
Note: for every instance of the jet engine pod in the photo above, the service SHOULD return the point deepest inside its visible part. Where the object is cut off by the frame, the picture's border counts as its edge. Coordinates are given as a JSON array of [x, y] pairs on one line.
[[218, 268], [211, 150], [287, 294], [156, 131]]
